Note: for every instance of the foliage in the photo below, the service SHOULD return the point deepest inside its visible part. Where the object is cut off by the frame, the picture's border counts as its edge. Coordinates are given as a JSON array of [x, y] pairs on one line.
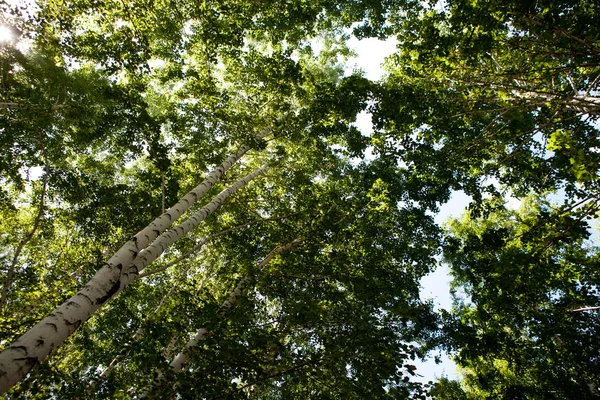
[[525, 276], [120, 108]]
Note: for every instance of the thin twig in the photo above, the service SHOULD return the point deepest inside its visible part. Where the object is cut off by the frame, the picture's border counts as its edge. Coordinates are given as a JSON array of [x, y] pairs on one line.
[[585, 309], [266, 378], [591, 87]]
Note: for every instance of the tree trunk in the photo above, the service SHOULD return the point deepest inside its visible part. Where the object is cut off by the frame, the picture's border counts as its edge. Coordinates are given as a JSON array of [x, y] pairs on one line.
[[50, 333]]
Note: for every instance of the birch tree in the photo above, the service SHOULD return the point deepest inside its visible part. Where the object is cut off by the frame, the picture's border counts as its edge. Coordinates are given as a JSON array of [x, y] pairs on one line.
[[33, 347], [228, 112]]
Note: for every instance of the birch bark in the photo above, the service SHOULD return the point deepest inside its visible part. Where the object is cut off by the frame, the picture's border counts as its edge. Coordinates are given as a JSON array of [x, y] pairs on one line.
[[202, 334], [36, 344]]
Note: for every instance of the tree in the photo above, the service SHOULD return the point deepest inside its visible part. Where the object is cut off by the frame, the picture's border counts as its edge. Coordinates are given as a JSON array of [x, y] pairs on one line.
[[527, 276], [500, 99]]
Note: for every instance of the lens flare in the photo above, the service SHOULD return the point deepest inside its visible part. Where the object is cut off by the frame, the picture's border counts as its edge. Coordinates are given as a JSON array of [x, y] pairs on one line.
[[6, 34]]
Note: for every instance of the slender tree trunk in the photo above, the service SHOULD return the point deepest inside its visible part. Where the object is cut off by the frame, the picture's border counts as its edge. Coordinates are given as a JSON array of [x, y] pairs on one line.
[[202, 334], [50, 333]]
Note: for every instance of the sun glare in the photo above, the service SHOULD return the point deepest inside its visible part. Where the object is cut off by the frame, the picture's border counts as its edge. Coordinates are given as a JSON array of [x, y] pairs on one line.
[[6, 34]]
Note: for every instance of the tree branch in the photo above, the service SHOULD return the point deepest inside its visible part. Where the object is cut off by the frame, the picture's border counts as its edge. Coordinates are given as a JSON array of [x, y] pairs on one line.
[[11, 269], [268, 377], [585, 309]]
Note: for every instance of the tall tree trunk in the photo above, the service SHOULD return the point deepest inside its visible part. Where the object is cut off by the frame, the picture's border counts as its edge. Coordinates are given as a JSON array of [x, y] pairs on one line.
[[202, 334], [50, 333]]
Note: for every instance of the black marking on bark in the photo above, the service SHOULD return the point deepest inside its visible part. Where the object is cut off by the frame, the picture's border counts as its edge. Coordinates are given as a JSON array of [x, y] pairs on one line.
[[53, 325], [33, 361], [156, 231], [20, 348], [75, 324], [133, 268], [169, 215], [114, 289], [39, 343], [119, 266], [195, 195], [135, 253], [72, 303], [86, 296]]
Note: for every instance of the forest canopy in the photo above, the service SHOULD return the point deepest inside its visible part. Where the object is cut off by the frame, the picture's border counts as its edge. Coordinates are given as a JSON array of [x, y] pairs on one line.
[[188, 209]]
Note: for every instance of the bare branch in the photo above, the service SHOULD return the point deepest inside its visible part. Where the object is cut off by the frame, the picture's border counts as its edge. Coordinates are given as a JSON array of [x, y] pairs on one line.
[[585, 309]]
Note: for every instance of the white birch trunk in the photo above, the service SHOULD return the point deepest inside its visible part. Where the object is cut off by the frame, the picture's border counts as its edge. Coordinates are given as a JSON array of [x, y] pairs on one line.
[[37, 343], [202, 334]]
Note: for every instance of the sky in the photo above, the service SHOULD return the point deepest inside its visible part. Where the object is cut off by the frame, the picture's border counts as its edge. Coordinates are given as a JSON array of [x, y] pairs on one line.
[[436, 286]]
